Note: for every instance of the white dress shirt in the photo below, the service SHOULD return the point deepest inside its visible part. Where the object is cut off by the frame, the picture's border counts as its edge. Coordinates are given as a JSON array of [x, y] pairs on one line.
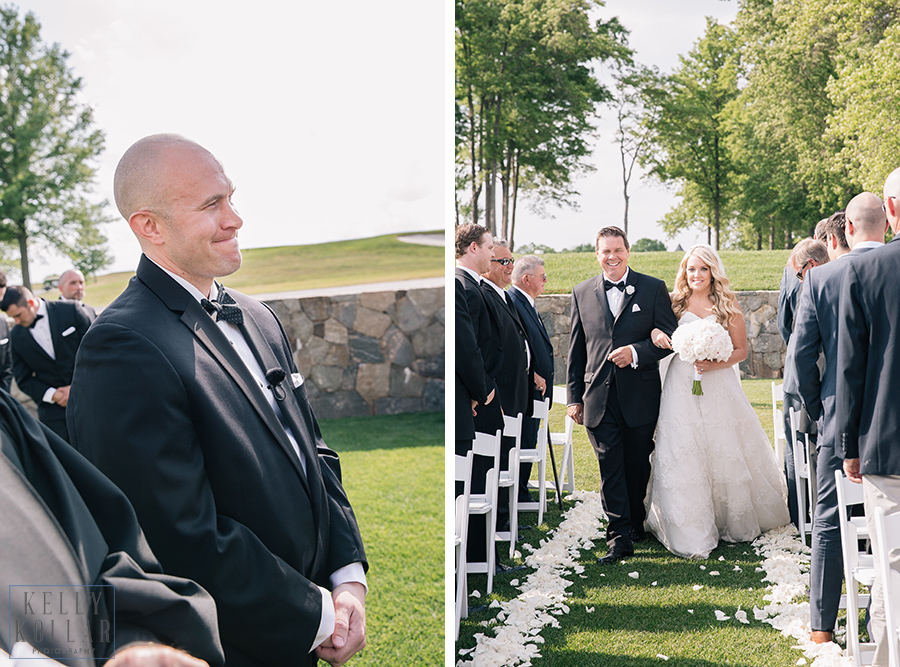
[[352, 573], [615, 297]]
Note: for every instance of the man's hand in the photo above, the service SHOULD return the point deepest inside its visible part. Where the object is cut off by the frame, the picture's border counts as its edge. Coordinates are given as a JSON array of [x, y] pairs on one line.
[[154, 655], [621, 356], [349, 634], [474, 403], [851, 469], [576, 412], [490, 397], [540, 384], [61, 396]]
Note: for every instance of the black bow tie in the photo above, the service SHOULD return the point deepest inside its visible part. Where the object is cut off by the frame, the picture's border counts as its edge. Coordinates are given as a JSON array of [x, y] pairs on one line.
[[35, 321], [619, 286], [223, 308]]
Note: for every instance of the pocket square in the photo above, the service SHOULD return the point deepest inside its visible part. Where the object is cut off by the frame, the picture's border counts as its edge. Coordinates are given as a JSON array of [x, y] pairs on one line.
[[296, 379], [4, 341], [635, 308], [68, 331]]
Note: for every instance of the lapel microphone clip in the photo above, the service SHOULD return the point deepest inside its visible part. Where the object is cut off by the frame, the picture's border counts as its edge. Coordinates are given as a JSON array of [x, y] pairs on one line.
[[275, 376]]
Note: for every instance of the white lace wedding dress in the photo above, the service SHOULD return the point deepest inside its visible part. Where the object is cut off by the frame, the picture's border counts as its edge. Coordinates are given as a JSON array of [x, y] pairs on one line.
[[714, 475]]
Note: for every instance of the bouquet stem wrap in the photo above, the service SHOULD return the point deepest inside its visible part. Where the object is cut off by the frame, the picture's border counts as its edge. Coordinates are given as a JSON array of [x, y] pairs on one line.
[[697, 389], [701, 340]]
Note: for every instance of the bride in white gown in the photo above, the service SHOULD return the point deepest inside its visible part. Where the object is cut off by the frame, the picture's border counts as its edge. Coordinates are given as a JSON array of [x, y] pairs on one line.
[[714, 475]]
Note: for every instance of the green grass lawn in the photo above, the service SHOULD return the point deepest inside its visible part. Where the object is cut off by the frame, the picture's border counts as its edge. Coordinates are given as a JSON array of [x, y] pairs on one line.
[[747, 270], [393, 472], [288, 268], [632, 620]]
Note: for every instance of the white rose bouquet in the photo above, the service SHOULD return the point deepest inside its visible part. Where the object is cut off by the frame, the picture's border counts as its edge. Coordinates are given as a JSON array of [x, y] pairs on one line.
[[701, 340]]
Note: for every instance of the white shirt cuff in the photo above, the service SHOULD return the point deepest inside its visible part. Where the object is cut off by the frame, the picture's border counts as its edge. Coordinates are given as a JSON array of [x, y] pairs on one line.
[[48, 395], [351, 573], [634, 358]]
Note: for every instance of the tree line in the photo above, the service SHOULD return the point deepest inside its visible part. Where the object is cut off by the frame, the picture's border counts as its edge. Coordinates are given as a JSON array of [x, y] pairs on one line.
[[764, 127]]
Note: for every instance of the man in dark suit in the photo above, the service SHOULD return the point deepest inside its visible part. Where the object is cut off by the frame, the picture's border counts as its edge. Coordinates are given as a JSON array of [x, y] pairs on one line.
[[513, 378], [188, 398], [66, 524], [528, 280], [815, 332], [6, 370], [613, 381], [44, 345], [71, 288], [867, 425]]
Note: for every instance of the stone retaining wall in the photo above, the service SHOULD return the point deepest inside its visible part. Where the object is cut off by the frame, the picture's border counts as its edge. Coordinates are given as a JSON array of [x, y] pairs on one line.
[[371, 353], [766, 349]]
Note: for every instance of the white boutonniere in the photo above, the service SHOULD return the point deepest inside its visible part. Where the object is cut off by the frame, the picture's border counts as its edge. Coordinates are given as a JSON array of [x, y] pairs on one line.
[[629, 289]]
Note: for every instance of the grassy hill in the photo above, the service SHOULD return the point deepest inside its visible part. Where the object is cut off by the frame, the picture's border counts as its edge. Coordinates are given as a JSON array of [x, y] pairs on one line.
[[746, 269], [288, 268]]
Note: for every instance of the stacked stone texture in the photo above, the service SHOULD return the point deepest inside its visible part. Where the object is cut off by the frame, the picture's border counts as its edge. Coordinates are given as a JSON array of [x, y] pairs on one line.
[[766, 349], [372, 353]]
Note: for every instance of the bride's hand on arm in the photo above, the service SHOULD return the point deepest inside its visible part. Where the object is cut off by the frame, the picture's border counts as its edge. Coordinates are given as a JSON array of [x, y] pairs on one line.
[[660, 339]]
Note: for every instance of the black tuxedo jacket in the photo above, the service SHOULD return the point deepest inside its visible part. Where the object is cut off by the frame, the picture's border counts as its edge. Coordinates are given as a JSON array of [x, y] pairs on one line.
[[36, 372], [595, 333], [165, 407], [512, 376], [6, 371], [488, 418], [66, 524], [867, 424], [815, 329], [541, 347], [470, 376]]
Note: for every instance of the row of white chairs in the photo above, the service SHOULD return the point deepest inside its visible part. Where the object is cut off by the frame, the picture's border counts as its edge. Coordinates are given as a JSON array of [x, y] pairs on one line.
[[486, 503]]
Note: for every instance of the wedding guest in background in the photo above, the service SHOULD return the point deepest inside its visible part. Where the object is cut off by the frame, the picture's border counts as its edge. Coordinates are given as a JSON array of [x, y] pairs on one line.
[[867, 425], [529, 277], [186, 395], [815, 333], [44, 345], [6, 370], [613, 382], [713, 474], [806, 254], [71, 288]]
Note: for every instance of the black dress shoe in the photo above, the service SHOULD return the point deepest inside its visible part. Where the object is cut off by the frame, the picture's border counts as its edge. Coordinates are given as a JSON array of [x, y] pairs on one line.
[[500, 568], [477, 609], [638, 536], [614, 556]]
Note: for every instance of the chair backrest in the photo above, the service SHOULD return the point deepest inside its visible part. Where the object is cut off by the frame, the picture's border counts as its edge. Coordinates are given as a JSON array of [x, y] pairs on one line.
[[489, 446], [542, 411], [560, 395], [464, 472], [778, 420], [849, 494], [512, 428], [800, 445], [887, 531]]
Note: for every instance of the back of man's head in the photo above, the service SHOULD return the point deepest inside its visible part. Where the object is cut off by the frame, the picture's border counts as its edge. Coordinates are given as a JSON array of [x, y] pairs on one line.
[[821, 230], [526, 265], [17, 295], [805, 251], [834, 228], [466, 234], [866, 218]]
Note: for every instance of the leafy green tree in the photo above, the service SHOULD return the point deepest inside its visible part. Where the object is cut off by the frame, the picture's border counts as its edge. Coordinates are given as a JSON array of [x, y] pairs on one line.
[[47, 145], [648, 245], [688, 136], [526, 97]]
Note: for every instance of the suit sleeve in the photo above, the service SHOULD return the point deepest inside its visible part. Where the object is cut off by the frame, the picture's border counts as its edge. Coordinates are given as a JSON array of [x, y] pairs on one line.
[[787, 300], [469, 362], [807, 343], [577, 356], [25, 378], [256, 591], [664, 319], [853, 344], [6, 370]]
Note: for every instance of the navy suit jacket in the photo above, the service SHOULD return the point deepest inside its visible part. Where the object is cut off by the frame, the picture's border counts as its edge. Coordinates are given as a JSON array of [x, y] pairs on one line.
[[868, 370], [815, 329], [595, 333], [541, 347], [167, 409]]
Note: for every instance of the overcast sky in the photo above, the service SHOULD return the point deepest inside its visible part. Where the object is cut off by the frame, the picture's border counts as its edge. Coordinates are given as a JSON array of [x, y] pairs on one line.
[[660, 31], [328, 116]]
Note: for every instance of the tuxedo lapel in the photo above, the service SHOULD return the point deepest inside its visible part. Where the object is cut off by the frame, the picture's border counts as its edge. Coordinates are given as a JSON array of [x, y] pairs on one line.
[[626, 297], [27, 345], [600, 293]]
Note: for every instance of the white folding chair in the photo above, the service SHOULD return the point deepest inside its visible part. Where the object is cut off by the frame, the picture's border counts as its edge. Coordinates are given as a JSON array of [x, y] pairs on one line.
[[509, 478], [887, 532], [778, 422], [859, 568], [567, 466], [538, 455], [486, 504], [464, 475], [803, 476]]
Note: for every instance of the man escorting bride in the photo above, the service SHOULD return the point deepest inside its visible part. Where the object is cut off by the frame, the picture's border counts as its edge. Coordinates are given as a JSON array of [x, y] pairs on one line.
[[714, 477]]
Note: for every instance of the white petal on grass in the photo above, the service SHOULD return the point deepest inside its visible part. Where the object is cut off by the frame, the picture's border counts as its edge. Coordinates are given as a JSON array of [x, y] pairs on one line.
[[662, 657], [475, 594], [721, 616], [741, 616], [690, 611], [633, 575], [714, 573], [654, 583], [702, 567], [697, 587]]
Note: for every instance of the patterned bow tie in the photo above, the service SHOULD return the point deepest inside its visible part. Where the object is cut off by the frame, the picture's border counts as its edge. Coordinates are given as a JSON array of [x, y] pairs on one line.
[[619, 286], [223, 308]]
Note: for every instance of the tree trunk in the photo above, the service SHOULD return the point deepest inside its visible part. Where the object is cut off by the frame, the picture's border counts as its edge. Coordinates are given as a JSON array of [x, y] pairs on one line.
[[787, 238], [759, 239], [23, 253], [504, 196], [772, 237], [514, 158], [473, 158], [489, 199], [717, 224]]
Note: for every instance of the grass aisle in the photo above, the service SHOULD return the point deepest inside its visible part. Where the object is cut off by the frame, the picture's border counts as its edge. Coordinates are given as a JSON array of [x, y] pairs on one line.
[[664, 615], [393, 471]]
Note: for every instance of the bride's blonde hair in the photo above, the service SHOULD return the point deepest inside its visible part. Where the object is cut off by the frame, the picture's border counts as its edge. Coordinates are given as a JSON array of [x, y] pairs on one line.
[[722, 296]]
